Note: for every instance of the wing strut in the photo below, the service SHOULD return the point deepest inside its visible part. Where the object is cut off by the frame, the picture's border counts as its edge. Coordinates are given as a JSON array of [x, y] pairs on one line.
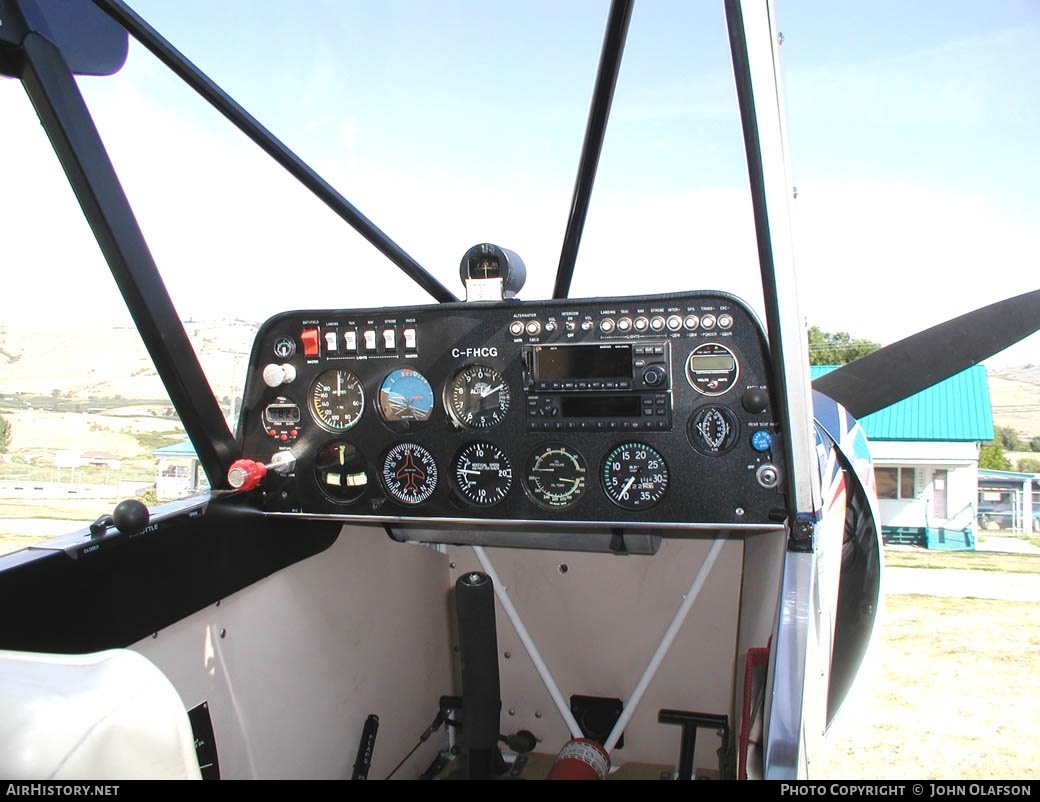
[[595, 129], [249, 126], [64, 116]]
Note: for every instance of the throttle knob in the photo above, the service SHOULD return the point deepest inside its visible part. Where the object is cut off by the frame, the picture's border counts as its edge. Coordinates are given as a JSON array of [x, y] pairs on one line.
[[130, 516]]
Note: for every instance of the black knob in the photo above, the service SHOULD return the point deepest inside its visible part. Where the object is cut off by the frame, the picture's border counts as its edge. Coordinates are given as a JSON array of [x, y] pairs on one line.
[[130, 516], [653, 376], [755, 400]]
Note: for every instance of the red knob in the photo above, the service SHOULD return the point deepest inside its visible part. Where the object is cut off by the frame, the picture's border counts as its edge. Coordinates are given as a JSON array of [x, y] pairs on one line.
[[245, 474]]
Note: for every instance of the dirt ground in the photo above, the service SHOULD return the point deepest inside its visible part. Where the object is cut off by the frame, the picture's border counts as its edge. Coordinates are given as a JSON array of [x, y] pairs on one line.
[[951, 693]]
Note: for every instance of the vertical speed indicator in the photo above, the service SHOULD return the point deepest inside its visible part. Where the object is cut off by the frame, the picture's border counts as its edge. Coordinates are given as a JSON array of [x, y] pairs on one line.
[[482, 474], [635, 476]]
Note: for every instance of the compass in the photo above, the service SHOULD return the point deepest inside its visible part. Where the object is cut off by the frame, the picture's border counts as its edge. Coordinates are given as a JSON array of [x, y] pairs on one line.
[[409, 473]]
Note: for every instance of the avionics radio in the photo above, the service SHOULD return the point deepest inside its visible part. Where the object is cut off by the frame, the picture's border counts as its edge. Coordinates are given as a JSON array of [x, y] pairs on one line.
[[598, 386]]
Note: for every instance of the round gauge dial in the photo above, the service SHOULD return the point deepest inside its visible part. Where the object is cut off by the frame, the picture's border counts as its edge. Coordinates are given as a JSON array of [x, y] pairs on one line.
[[555, 475], [337, 400], [482, 474], [409, 473], [712, 369], [341, 472], [477, 397], [405, 395], [713, 429], [635, 476]]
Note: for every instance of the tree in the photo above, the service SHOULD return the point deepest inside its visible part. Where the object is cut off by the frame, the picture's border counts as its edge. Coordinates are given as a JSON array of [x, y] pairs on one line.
[[1028, 466], [991, 457], [826, 348], [5, 433], [1009, 439]]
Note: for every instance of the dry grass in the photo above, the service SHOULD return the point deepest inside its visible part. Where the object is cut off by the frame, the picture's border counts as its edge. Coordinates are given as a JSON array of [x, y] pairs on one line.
[[965, 560], [949, 694]]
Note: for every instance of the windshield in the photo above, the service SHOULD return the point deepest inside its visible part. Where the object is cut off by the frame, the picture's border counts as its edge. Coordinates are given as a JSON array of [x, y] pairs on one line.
[[451, 124]]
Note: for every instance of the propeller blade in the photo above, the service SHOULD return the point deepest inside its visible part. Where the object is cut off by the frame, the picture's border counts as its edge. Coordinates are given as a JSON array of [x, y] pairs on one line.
[[904, 368]]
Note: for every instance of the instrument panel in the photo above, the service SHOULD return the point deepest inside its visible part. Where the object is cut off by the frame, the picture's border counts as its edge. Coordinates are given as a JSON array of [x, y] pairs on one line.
[[646, 413]]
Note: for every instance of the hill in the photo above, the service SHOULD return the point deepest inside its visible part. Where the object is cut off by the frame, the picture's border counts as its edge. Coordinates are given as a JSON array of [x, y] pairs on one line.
[[1015, 398], [86, 364], [93, 362]]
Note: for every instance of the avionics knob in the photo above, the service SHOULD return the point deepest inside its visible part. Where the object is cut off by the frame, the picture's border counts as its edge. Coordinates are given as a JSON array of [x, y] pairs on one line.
[[277, 375], [653, 377]]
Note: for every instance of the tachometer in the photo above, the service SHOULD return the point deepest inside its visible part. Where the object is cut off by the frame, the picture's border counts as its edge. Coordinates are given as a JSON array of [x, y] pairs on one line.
[[337, 400], [483, 474], [477, 397], [635, 476], [409, 473], [555, 475]]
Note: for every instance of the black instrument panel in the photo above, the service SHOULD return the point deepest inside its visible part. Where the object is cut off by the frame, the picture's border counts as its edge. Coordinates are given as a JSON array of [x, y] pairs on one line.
[[641, 412]]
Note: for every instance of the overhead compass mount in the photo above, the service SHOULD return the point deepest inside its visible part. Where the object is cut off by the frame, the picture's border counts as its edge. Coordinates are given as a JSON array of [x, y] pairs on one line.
[[491, 273]]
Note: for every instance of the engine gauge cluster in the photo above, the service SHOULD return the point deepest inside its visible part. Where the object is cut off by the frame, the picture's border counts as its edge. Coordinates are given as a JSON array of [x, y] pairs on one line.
[[642, 412]]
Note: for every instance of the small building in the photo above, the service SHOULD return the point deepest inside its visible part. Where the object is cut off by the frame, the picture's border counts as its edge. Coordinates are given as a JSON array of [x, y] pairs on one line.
[[103, 459], [178, 472], [1008, 501], [926, 460]]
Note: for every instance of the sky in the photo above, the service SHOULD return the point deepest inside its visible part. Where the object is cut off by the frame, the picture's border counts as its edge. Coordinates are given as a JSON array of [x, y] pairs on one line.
[[912, 131]]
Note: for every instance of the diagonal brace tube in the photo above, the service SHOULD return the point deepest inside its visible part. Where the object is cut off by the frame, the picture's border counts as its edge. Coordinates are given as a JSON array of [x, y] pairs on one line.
[[666, 643]]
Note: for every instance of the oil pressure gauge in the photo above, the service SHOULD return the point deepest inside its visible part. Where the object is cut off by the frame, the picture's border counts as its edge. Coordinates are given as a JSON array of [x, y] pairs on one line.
[[555, 475]]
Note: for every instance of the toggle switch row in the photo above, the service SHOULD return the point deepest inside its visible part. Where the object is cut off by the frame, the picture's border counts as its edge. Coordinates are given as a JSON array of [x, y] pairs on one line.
[[338, 341]]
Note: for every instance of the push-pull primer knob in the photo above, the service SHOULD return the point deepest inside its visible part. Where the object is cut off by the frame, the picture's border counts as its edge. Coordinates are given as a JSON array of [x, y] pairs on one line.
[[277, 375]]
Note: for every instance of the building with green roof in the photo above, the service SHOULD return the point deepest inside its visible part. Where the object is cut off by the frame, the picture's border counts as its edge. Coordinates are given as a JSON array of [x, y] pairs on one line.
[[178, 472], [926, 460]]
